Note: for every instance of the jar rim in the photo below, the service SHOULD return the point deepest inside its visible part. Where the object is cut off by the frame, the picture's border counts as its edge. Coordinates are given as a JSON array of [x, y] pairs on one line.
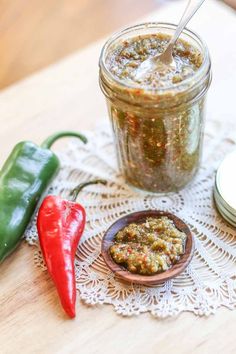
[[204, 68]]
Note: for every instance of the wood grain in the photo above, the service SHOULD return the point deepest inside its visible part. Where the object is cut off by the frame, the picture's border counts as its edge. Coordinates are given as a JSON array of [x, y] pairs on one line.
[[231, 3], [36, 33], [140, 217], [67, 96]]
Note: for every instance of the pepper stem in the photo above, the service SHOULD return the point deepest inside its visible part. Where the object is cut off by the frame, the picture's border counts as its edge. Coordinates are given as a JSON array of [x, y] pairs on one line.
[[51, 139], [74, 193]]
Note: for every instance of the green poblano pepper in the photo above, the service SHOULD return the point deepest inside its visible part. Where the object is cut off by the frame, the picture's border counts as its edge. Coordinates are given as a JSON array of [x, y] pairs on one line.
[[24, 177]]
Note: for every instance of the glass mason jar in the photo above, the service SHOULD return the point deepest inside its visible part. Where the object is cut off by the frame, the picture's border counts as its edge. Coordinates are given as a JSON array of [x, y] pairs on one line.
[[158, 132]]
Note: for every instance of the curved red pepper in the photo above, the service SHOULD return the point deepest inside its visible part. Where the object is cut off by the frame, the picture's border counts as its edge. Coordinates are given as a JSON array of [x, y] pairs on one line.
[[60, 226]]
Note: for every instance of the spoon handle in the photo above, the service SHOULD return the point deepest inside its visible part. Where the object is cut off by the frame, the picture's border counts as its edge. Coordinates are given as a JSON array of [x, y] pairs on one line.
[[191, 9]]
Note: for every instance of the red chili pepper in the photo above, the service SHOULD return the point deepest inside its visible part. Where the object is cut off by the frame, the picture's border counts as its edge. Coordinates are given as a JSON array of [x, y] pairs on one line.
[[60, 226]]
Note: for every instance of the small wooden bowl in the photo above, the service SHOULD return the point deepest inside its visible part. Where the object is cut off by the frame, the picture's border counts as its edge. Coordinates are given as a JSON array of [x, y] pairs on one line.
[[139, 217]]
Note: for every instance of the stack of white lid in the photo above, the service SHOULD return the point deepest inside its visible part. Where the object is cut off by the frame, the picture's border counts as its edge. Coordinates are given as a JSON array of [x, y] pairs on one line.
[[225, 188]]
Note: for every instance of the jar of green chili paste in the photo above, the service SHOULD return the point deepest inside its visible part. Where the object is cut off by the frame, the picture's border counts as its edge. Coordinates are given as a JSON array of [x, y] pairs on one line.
[[157, 120]]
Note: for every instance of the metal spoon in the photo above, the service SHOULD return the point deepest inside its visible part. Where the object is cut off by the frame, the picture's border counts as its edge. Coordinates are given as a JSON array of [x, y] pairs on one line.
[[161, 61]]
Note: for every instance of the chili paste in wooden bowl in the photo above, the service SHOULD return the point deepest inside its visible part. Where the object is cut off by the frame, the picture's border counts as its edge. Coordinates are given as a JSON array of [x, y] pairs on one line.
[[148, 247]]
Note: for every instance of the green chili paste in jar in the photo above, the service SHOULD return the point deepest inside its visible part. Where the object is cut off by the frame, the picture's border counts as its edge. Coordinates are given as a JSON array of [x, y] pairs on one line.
[[125, 59], [157, 120], [151, 247]]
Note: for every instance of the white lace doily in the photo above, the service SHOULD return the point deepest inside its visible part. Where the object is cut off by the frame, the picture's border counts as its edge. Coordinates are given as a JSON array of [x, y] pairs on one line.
[[209, 281]]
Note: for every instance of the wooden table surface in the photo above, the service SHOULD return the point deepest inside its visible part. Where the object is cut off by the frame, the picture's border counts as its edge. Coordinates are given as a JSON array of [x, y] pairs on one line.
[[35, 33], [67, 96]]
